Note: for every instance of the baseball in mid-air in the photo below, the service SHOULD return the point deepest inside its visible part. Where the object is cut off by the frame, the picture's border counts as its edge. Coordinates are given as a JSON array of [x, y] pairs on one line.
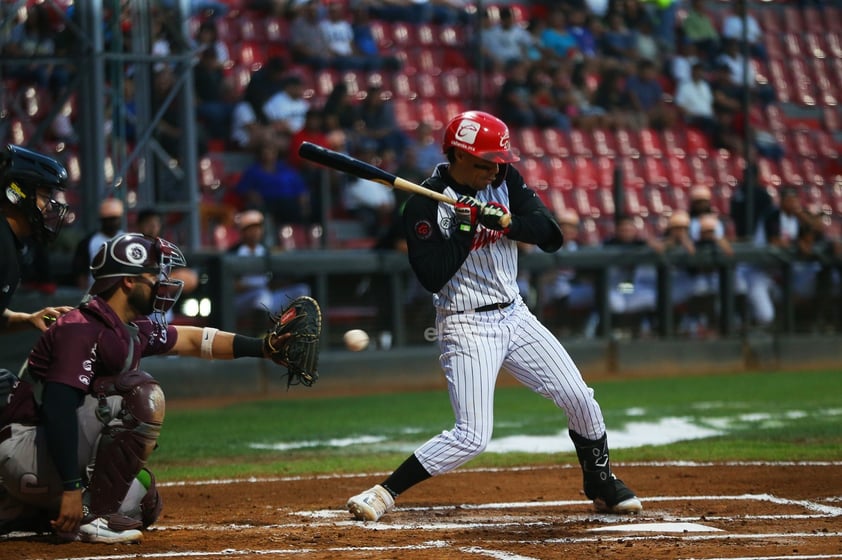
[[356, 340]]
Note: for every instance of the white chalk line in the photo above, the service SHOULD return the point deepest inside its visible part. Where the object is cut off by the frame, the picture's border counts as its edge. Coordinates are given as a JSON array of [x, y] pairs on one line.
[[617, 465]]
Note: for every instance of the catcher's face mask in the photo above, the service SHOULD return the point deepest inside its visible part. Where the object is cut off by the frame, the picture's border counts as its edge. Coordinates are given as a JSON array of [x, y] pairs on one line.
[[133, 254]]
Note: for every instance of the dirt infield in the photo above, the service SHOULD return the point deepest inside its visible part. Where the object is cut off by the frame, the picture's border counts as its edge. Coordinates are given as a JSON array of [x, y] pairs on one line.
[[692, 511]]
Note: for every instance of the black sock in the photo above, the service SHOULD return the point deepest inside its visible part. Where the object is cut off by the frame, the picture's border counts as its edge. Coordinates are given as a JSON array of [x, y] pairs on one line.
[[410, 473]]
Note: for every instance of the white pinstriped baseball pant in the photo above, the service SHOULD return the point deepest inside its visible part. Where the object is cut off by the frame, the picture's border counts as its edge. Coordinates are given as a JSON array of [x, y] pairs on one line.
[[474, 346]]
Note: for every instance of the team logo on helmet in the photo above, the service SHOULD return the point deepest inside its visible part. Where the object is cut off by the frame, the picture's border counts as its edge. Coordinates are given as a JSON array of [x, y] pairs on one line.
[[504, 141], [136, 253], [468, 131]]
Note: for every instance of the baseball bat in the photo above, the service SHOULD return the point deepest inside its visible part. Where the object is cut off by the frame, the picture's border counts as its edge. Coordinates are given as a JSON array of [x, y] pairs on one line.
[[358, 168]]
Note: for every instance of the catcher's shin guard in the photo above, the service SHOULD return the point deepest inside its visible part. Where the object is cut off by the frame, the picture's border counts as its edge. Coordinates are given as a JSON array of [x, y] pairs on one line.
[[143, 502], [124, 448]]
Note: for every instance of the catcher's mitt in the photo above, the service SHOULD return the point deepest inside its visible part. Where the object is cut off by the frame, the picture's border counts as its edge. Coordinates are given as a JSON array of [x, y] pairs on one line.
[[299, 353]]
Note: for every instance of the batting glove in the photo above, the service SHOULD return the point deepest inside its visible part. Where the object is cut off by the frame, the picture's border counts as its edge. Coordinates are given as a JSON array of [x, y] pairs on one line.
[[467, 210], [491, 216]]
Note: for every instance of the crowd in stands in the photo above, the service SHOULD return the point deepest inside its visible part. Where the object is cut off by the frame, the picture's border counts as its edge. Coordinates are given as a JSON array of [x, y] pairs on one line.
[[576, 69]]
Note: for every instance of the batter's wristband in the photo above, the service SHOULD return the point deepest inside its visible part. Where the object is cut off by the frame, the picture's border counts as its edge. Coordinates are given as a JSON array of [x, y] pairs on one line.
[[247, 347], [70, 485]]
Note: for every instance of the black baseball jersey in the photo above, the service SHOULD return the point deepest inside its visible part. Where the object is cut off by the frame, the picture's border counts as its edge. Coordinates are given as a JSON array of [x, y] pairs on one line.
[[10, 248]]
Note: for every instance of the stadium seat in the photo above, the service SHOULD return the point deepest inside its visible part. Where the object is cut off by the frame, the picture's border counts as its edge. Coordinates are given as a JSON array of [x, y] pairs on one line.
[[580, 144], [402, 86], [654, 172], [426, 35], [768, 174], [227, 30], [800, 143], [626, 145], [811, 173], [427, 86], [793, 22], [560, 173], [527, 140], [697, 143], [825, 145], [790, 174], [603, 143], [277, 30], [834, 45], [252, 29], [674, 144], [556, 143], [429, 61], [238, 79], [650, 143], [631, 177], [813, 20], [455, 84], [250, 54], [534, 174], [679, 173], [780, 81]]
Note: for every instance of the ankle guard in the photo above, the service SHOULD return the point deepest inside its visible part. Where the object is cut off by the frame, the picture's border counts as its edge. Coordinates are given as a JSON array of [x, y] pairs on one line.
[[124, 447], [593, 458]]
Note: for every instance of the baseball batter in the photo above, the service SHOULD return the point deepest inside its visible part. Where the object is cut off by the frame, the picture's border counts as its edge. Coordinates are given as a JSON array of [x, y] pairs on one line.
[[467, 257]]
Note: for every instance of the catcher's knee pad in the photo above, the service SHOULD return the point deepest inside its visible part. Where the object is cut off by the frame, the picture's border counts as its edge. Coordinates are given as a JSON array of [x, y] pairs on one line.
[[143, 502], [124, 447]]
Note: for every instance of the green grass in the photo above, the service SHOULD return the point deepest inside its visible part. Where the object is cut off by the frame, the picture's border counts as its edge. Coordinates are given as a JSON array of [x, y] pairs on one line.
[[776, 416]]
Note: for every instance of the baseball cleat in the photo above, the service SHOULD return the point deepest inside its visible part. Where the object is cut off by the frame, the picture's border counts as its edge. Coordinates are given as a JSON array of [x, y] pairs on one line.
[[372, 504], [614, 497], [98, 531]]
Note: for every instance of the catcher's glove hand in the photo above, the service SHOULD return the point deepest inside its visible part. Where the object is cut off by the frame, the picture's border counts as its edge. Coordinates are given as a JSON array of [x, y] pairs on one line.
[[294, 338]]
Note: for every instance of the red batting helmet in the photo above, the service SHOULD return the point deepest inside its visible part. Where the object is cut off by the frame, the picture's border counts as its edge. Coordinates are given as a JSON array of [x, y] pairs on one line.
[[480, 134]]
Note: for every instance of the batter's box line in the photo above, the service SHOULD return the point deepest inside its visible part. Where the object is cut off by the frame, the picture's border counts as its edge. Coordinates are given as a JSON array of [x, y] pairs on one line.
[[826, 511]]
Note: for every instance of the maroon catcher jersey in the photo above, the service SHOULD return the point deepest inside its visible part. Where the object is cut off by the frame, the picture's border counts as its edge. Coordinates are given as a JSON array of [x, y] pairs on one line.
[[85, 343]]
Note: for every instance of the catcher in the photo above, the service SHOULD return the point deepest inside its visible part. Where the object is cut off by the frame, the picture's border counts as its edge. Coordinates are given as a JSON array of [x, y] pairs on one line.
[[83, 418]]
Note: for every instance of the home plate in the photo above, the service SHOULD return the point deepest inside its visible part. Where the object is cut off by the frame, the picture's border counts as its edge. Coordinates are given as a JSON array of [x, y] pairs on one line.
[[658, 528]]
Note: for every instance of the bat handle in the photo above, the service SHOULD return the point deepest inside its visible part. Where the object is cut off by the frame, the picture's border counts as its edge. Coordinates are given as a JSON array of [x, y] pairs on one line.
[[506, 220]]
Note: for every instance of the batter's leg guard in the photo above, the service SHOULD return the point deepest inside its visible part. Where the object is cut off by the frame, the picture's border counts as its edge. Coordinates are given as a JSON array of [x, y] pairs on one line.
[[609, 493], [124, 447]]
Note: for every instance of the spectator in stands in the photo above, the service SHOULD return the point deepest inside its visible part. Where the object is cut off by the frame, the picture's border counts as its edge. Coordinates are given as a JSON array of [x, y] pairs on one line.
[[727, 105], [555, 38], [611, 96], [34, 37], [732, 30], [698, 29], [247, 131], [212, 106], [677, 240], [207, 37], [681, 64], [742, 74], [379, 122], [111, 211], [169, 129], [761, 204], [570, 291], [371, 203], [694, 98], [340, 110], [579, 98], [514, 100], [257, 294], [700, 206], [311, 46], [448, 12], [366, 44], [647, 97], [426, 146], [287, 109], [578, 25], [618, 41], [663, 15], [782, 224], [504, 41], [646, 43], [271, 183], [265, 83], [339, 36]]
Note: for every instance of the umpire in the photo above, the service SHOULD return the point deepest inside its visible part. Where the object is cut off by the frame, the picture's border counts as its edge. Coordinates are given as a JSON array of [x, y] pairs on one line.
[[30, 183]]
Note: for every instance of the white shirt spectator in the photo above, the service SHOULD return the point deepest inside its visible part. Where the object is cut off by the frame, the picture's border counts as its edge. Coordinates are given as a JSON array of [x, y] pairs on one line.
[[507, 44], [282, 107], [732, 28], [695, 98], [735, 65], [242, 116], [364, 193], [339, 36]]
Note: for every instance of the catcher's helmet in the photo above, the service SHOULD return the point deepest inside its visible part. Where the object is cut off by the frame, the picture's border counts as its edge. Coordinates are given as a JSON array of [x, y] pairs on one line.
[[22, 173], [480, 134], [133, 254]]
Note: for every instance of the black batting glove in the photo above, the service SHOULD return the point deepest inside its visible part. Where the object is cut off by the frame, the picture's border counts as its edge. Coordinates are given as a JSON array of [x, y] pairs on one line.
[[491, 215]]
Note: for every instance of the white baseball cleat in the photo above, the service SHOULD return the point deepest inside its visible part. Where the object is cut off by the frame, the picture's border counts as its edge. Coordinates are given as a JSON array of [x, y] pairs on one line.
[[98, 531], [372, 504]]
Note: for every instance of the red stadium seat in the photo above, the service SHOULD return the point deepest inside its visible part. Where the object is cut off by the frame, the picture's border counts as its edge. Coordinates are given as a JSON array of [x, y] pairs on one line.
[[527, 140], [626, 145], [227, 30], [790, 173], [767, 173], [813, 20], [811, 173], [534, 174], [697, 143], [654, 172], [580, 144], [277, 30], [603, 144], [678, 172], [631, 177], [426, 35], [556, 143], [402, 86], [825, 145], [650, 143], [560, 174], [250, 54], [427, 86], [252, 29], [674, 144]]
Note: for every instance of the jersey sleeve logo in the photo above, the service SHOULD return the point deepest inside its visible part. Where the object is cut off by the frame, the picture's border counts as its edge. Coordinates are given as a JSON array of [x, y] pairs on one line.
[[423, 229]]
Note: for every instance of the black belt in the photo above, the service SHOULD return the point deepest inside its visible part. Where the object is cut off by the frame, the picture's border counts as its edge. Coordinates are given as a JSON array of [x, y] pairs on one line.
[[493, 307]]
